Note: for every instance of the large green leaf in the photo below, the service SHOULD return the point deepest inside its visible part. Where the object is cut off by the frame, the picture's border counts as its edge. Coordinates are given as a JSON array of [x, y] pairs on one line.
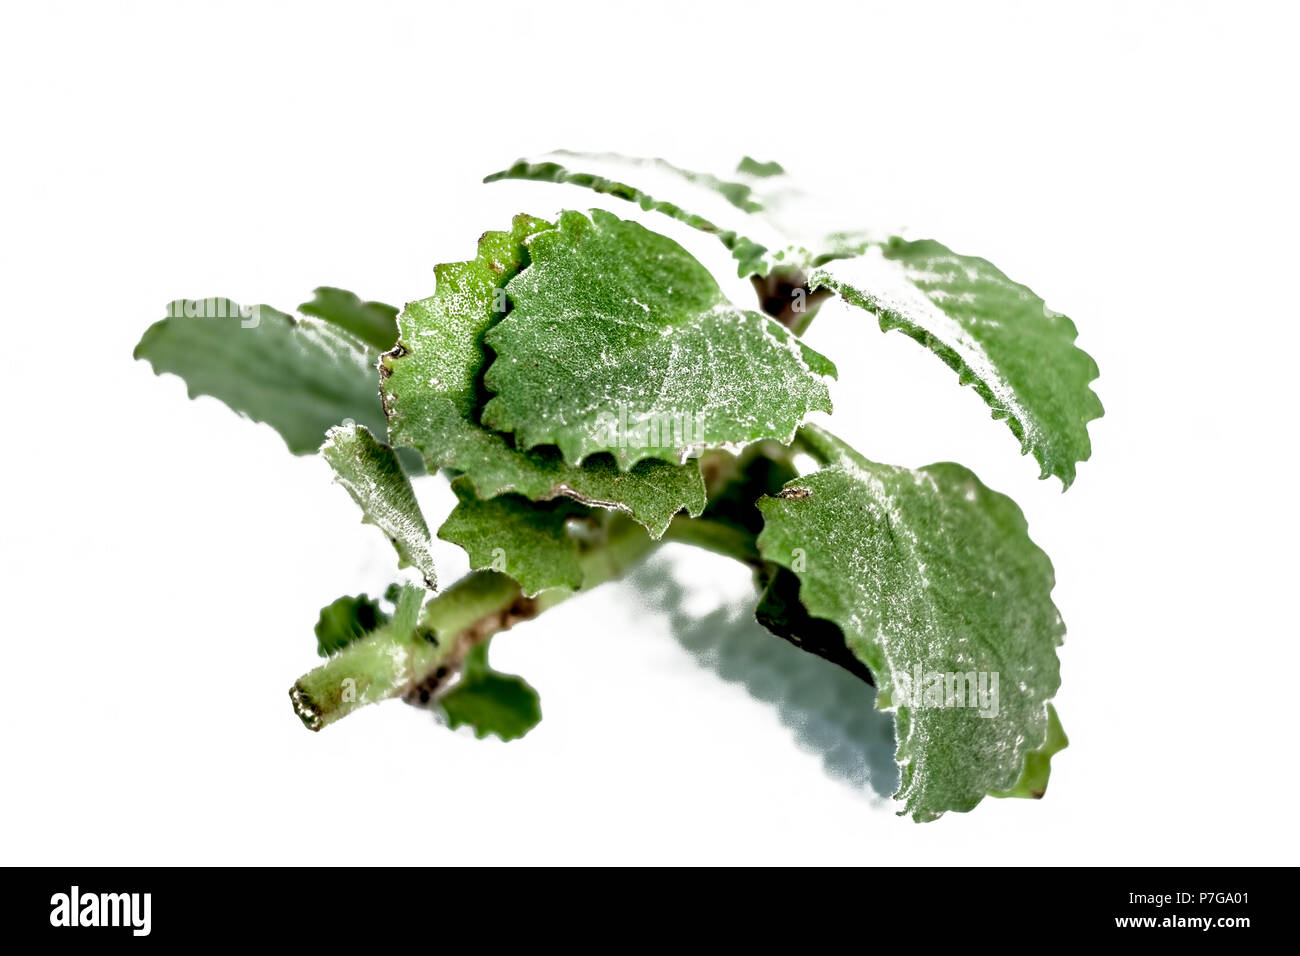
[[490, 702], [433, 392], [528, 540], [1000, 338], [928, 572], [756, 212], [298, 376], [374, 478], [620, 341], [375, 323], [602, 173]]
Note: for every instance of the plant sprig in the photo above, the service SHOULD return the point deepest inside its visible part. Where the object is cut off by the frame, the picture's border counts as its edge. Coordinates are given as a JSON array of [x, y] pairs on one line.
[[591, 394]]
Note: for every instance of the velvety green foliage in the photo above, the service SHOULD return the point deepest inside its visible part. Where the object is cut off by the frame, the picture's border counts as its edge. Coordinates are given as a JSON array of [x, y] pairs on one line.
[[374, 478], [433, 393], [620, 341], [999, 336], [761, 220], [751, 255], [375, 323], [298, 376], [928, 572], [346, 620], [490, 702], [1001, 339], [528, 540], [585, 382]]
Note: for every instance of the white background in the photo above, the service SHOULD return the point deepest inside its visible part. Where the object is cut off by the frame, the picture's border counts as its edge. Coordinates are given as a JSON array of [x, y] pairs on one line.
[[163, 560]]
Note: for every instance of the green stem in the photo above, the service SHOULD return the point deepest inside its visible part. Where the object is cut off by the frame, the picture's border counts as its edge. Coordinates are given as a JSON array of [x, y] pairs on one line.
[[419, 665]]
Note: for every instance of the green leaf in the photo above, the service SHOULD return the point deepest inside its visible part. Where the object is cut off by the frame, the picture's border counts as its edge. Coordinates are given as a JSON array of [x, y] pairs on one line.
[[298, 376], [346, 620], [433, 392], [527, 540], [1000, 338], [928, 572], [373, 322], [753, 167], [601, 174], [374, 478], [620, 341], [491, 702], [1038, 763], [757, 214]]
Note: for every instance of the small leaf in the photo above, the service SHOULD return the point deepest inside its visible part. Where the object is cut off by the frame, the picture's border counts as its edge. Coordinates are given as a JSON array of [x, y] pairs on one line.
[[620, 341], [491, 702], [373, 322], [999, 337], [433, 392], [299, 377], [527, 540], [374, 478], [930, 575], [346, 620], [1038, 763], [753, 167]]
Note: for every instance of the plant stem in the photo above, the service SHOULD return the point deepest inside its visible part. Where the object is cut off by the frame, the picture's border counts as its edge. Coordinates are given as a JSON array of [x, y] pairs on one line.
[[417, 666]]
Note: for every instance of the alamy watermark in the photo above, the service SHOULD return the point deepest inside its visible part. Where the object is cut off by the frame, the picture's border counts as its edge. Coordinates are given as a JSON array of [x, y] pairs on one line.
[[250, 316], [923, 688], [76, 908], [665, 428]]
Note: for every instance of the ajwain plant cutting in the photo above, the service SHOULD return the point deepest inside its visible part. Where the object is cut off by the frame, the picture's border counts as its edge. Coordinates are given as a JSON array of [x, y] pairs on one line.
[[590, 393]]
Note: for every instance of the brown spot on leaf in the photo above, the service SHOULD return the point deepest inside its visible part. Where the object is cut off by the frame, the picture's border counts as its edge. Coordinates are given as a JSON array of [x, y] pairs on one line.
[[795, 494]]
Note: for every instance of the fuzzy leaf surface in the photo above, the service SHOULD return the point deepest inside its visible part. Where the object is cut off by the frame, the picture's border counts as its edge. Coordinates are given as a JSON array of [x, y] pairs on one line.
[[927, 572], [620, 341], [373, 476], [998, 336], [433, 393], [299, 376], [375, 323], [528, 540], [490, 702]]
